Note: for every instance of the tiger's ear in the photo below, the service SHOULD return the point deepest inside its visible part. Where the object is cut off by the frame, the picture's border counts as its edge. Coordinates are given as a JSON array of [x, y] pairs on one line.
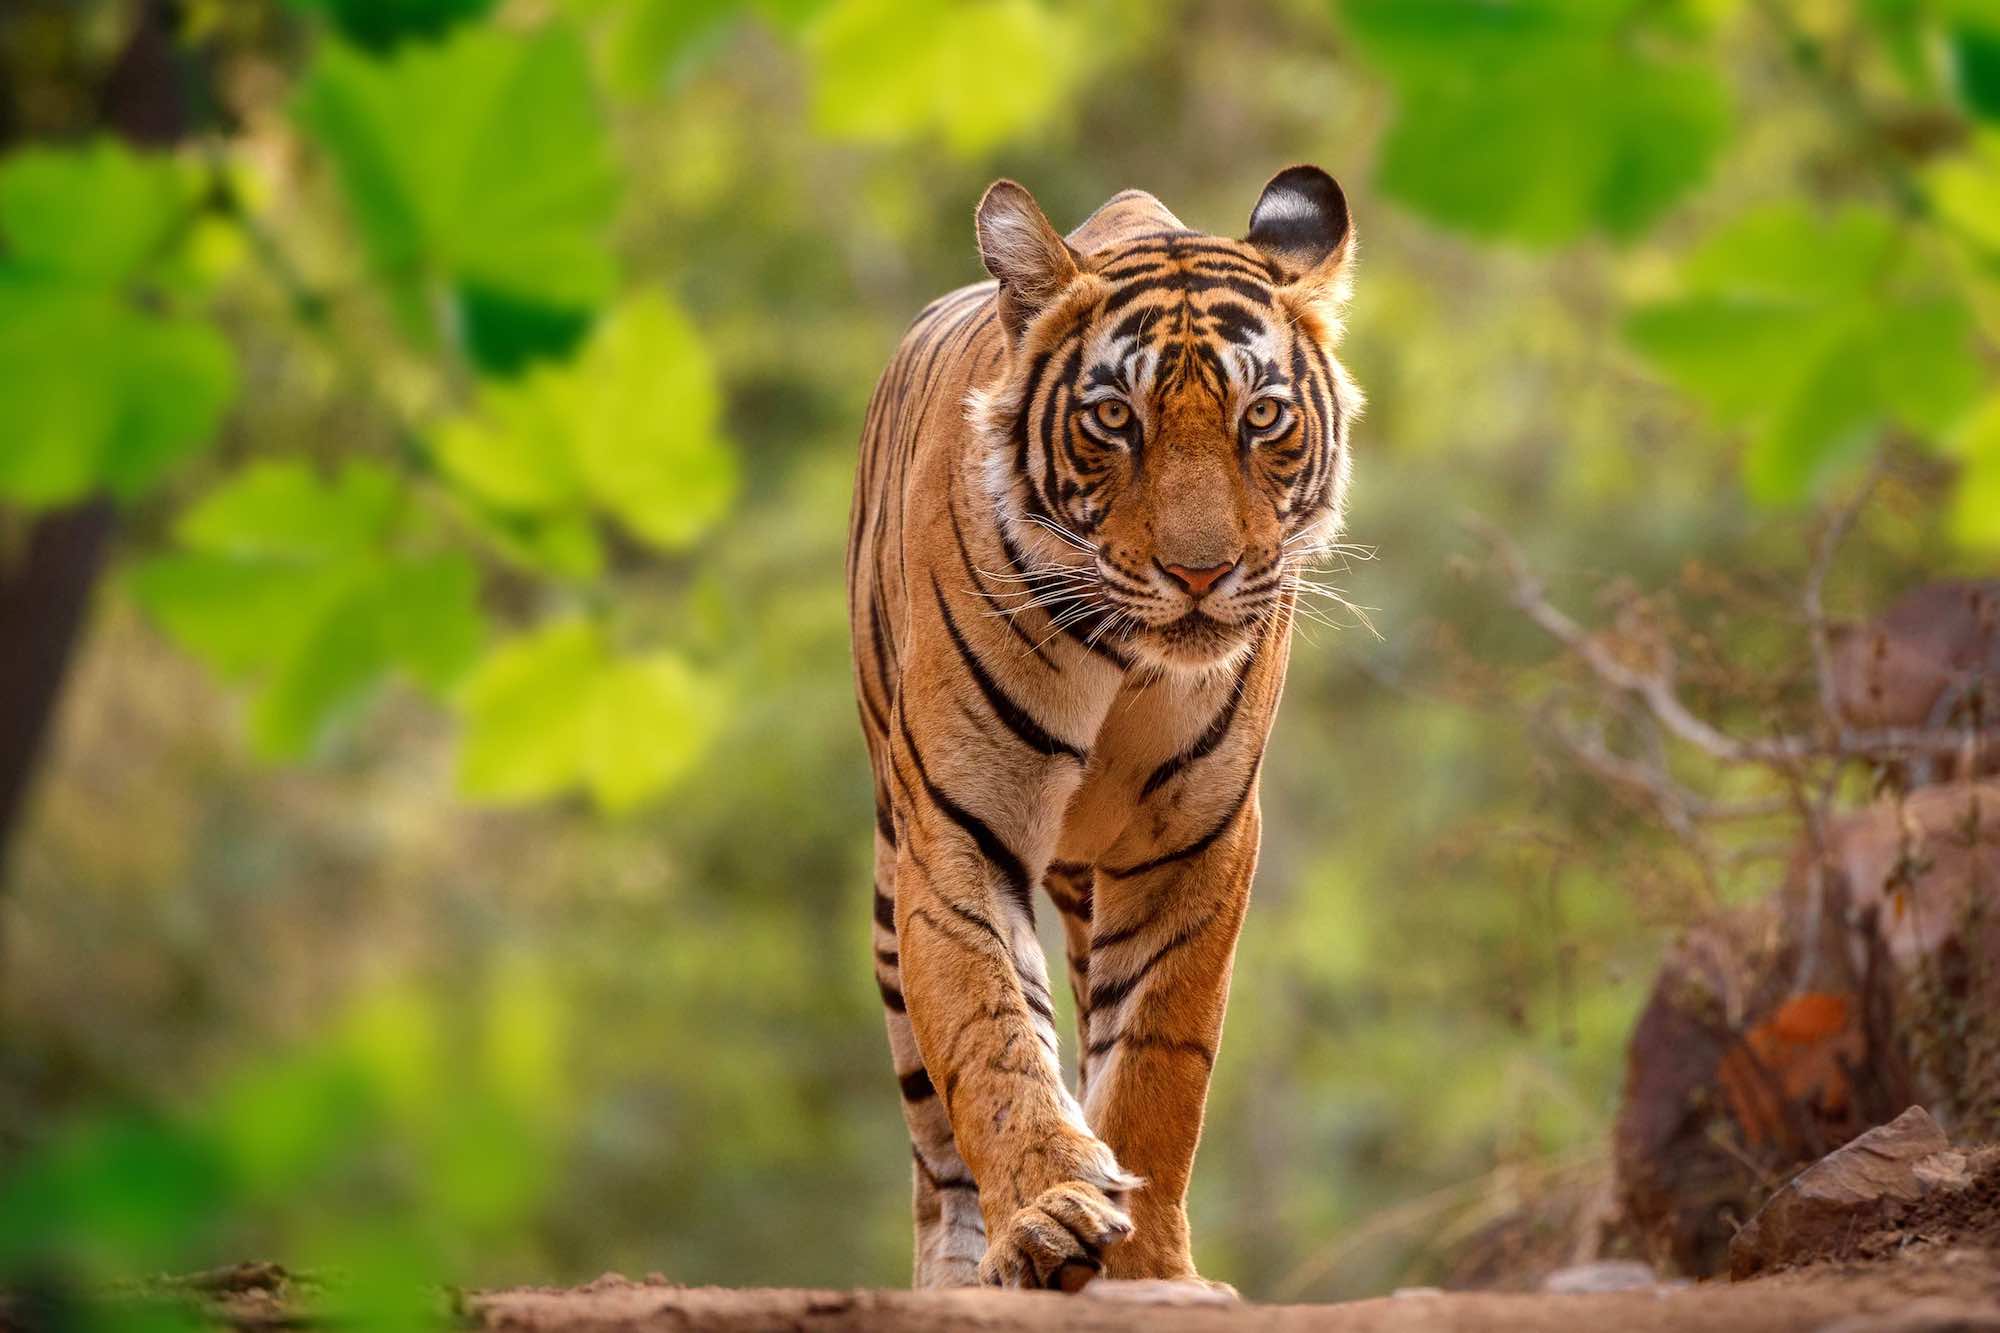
[[1019, 247], [1301, 225]]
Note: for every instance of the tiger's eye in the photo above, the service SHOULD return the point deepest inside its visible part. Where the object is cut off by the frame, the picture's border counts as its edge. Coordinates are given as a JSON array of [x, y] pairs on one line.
[[1113, 414], [1262, 414]]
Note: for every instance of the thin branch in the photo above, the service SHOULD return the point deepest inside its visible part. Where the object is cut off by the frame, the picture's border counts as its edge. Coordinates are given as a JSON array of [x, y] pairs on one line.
[[1657, 692]]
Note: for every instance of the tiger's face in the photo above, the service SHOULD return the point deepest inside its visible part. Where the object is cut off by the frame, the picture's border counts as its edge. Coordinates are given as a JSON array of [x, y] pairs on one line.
[[1168, 442]]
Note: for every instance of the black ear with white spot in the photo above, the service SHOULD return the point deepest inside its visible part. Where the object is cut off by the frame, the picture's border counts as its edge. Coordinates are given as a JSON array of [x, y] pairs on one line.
[[1019, 247], [1301, 223]]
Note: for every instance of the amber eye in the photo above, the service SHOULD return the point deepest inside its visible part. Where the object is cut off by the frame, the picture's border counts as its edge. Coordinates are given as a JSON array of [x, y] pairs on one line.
[[1262, 414], [1112, 414]]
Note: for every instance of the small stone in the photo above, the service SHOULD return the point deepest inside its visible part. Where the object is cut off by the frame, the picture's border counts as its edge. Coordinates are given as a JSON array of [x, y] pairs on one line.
[[1838, 1196], [1604, 1275], [1415, 1293]]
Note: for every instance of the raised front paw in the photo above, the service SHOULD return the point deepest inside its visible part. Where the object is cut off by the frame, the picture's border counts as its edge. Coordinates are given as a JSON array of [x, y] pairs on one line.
[[1057, 1240]]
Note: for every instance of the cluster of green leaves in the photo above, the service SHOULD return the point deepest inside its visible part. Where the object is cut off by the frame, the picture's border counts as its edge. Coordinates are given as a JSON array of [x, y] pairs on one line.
[[106, 382], [476, 167], [1541, 121]]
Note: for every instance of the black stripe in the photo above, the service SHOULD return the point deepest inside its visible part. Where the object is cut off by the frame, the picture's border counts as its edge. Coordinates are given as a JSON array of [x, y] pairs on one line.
[[1109, 993], [885, 911], [996, 852], [1138, 1043], [1199, 845], [1212, 736], [1012, 715], [1067, 901], [1063, 389], [883, 656], [917, 1085], [891, 996]]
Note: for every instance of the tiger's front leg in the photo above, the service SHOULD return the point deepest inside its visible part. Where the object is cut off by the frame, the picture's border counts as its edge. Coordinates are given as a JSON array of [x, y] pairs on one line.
[[974, 820], [1163, 939], [1168, 818]]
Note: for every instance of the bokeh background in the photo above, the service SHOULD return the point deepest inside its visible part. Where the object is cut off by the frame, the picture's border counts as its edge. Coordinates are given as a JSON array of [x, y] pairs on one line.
[[446, 857]]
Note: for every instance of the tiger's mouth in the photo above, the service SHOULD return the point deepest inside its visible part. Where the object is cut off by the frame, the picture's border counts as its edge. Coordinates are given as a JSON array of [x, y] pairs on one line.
[[1196, 639]]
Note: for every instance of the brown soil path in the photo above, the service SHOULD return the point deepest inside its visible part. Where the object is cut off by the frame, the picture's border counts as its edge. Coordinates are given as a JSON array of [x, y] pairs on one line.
[[1951, 1291]]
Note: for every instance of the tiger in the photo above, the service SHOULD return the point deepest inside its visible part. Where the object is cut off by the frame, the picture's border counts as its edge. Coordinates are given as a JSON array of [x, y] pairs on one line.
[[1085, 491]]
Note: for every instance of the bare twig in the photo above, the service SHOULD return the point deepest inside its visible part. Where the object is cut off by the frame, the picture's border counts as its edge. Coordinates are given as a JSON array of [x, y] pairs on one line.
[[1656, 690]]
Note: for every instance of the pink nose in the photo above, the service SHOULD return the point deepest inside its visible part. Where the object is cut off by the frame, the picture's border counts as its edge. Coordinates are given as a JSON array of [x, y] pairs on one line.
[[1198, 581]]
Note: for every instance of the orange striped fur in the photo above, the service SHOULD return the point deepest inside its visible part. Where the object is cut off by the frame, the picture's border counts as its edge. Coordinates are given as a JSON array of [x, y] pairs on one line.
[[1084, 495]]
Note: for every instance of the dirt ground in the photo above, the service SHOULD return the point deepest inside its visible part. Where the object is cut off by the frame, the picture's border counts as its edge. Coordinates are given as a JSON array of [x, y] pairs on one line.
[[1926, 1291], [1895, 1264]]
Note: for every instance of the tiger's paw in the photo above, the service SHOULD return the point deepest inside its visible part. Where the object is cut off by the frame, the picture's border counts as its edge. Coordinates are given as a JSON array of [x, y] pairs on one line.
[[1056, 1241]]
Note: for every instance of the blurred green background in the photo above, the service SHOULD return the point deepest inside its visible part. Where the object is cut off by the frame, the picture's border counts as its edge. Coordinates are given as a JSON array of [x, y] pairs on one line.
[[448, 858]]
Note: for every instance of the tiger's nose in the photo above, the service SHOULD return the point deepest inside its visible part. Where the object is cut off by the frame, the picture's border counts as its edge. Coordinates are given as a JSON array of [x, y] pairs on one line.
[[1198, 581]]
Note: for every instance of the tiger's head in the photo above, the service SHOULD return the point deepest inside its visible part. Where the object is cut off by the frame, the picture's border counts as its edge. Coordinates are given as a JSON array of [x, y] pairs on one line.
[[1167, 440]]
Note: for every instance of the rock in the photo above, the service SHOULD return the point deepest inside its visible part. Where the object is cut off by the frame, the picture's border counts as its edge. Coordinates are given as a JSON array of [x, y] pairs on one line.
[[1781, 1030], [1849, 1190], [1604, 1275]]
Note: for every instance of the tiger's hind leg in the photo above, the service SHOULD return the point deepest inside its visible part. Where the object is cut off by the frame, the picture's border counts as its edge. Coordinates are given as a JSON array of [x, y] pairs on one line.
[[950, 1232]]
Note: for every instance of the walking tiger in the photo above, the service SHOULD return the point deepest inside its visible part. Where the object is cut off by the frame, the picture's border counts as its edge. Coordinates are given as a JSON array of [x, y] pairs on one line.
[[1086, 492]]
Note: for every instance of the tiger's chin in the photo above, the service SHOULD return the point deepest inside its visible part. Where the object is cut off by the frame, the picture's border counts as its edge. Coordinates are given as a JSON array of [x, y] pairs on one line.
[[1194, 643]]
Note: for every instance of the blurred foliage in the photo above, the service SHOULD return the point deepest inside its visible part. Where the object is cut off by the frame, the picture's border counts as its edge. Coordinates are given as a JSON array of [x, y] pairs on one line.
[[516, 352], [101, 393], [1490, 133], [1816, 334]]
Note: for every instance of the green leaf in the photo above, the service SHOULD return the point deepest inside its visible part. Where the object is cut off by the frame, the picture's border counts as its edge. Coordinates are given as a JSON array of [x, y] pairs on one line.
[[97, 213], [1813, 335], [417, 615], [238, 616], [98, 396], [975, 75], [380, 25], [1965, 188], [1975, 513], [282, 508], [524, 730], [506, 334], [645, 407], [296, 581], [482, 162], [1538, 121], [629, 428], [555, 710], [1976, 57]]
